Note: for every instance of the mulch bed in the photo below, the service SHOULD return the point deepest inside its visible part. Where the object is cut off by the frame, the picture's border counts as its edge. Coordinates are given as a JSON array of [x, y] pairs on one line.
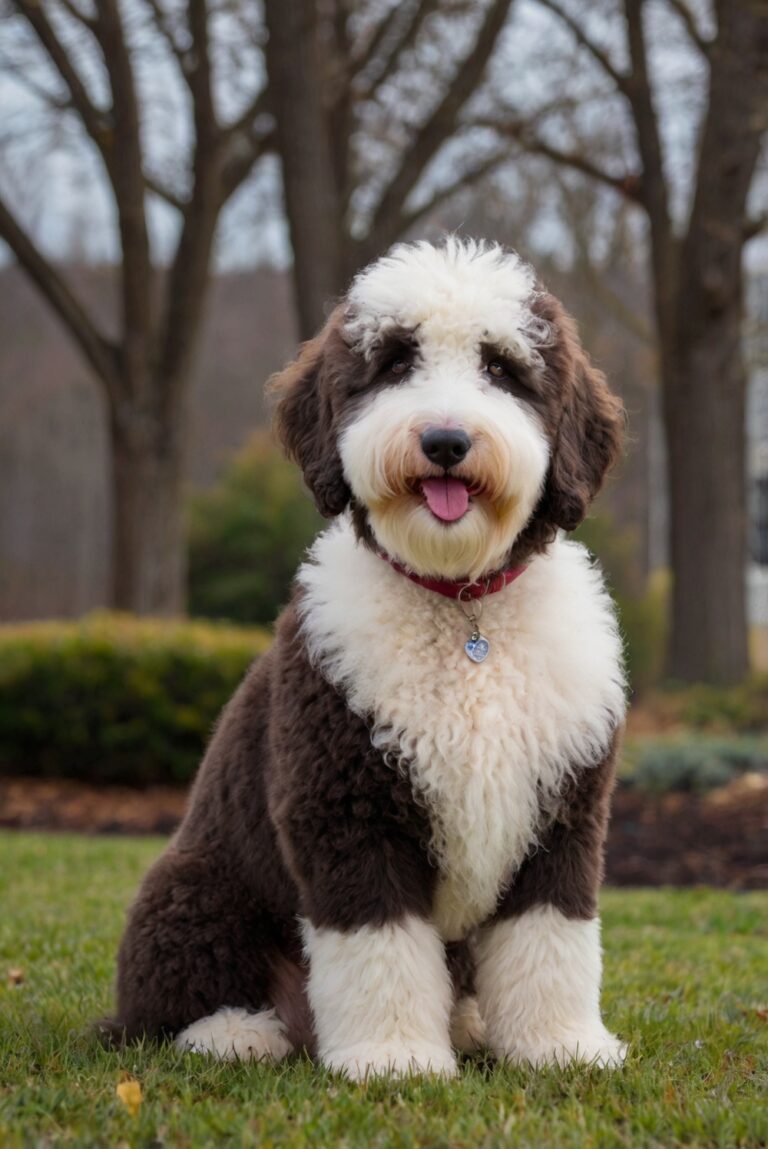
[[715, 839], [718, 839]]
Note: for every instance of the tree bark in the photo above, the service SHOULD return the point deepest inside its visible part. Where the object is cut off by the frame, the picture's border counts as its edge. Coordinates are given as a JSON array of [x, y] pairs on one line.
[[703, 371], [145, 368], [300, 99], [704, 387], [148, 551]]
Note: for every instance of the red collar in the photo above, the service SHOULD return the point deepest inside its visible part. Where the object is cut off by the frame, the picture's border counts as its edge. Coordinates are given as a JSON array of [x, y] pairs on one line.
[[459, 588]]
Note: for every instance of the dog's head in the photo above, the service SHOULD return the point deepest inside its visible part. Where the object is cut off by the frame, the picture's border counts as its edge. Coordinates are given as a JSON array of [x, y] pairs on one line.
[[449, 401]]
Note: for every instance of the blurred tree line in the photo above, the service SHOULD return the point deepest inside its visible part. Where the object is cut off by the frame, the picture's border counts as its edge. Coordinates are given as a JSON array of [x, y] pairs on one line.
[[381, 113]]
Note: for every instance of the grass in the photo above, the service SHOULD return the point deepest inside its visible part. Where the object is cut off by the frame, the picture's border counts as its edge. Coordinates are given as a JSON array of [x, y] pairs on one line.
[[685, 984]]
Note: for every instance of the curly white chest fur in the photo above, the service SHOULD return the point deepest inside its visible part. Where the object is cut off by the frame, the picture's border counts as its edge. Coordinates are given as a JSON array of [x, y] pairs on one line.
[[487, 745]]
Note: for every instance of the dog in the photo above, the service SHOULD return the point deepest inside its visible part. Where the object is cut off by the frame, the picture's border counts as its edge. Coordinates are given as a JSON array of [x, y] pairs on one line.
[[393, 848]]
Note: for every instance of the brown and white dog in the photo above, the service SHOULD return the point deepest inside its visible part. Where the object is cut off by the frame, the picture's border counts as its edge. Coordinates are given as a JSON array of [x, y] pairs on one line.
[[394, 844]]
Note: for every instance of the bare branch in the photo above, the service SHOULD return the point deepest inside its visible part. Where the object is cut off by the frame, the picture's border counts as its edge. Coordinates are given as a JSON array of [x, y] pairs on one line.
[[125, 169], [523, 133], [188, 277], [160, 21], [366, 51], [448, 191], [97, 350], [95, 120], [755, 226], [403, 39], [246, 140], [653, 186], [199, 75], [256, 107], [438, 126], [245, 153], [702, 42], [159, 189], [597, 53], [76, 14], [21, 76], [628, 315]]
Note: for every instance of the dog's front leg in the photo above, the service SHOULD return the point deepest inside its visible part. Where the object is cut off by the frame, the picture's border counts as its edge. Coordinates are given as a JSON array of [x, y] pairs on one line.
[[381, 998], [540, 961], [539, 989]]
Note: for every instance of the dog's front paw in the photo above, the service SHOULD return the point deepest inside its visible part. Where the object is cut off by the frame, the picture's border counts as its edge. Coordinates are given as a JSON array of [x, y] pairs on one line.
[[593, 1047], [359, 1062]]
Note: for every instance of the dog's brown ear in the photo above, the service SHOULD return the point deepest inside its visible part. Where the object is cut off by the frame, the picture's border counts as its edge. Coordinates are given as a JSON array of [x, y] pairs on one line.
[[304, 418], [590, 432]]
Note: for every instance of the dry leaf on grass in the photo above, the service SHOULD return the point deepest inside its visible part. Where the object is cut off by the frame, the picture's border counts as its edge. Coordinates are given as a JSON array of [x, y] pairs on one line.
[[129, 1092]]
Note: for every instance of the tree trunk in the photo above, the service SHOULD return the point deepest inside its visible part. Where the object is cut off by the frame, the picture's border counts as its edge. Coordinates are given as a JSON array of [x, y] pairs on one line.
[[704, 376], [148, 546], [300, 100], [704, 411]]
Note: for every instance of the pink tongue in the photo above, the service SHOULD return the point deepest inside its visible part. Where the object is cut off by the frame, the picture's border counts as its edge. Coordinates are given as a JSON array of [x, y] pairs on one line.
[[447, 498]]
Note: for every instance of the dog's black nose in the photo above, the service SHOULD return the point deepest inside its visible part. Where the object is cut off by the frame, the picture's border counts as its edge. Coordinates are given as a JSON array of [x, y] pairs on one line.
[[445, 446]]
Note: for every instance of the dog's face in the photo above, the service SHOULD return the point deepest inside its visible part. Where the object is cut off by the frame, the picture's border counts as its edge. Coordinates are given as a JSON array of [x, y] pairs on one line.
[[450, 400]]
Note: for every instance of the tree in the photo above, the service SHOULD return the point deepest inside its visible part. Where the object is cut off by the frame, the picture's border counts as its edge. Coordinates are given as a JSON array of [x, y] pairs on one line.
[[330, 87], [365, 96], [83, 63], [698, 288]]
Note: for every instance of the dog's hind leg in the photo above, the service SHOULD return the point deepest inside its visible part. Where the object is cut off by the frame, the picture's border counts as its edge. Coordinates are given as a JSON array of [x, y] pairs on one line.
[[198, 960], [467, 1025], [238, 1035]]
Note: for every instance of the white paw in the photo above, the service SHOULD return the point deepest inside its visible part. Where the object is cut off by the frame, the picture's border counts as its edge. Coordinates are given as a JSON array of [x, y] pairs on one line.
[[467, 1026], [237, 1035], [359, 1062], [592, 1047]]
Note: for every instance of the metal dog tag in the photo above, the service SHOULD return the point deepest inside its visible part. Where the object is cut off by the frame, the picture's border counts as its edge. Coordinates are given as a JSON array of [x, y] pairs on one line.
[[477, 647]]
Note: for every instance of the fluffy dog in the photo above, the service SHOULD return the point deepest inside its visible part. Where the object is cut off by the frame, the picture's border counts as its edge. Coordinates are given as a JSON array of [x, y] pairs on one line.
[[394, 844]]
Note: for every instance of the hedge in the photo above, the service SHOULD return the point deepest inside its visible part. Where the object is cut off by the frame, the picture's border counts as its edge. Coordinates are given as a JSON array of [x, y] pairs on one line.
[[115, 699]]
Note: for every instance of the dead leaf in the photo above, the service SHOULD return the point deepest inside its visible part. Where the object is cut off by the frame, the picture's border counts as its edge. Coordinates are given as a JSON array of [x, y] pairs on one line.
[[129, 1092], [15, 976]]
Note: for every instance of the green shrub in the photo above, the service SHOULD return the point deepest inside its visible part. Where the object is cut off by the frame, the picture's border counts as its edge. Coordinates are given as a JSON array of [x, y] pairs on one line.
[[247, 535], [642, 603], [115, 699], [695, 765], [742, 707]]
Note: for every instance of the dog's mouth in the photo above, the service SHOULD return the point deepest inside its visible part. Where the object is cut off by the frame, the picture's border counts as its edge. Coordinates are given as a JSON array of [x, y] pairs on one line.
[[448, 498]]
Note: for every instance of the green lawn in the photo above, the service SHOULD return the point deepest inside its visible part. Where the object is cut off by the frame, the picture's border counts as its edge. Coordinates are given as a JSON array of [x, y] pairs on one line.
[[686, 983]]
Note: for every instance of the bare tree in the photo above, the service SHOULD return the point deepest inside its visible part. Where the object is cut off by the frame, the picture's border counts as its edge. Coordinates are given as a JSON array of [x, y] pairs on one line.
[[696, 264], [365, 96], [86, 70], [330, 69]]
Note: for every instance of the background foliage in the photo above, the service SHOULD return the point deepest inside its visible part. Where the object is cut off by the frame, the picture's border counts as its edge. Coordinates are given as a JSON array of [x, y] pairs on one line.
[[114, 699], [247, 535]]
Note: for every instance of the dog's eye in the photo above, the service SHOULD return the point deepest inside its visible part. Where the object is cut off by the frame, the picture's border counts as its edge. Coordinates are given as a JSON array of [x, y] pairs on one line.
[[399, 366], [498, 370]]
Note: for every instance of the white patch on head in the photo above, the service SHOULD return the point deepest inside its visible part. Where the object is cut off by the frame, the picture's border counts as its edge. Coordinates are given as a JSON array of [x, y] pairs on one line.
[[455, 299], [237, 1035], [487, 746], [381, 998], [538, 984], [463, 289]]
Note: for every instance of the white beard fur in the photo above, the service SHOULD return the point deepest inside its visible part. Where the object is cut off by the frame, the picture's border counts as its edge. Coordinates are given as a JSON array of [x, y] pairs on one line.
[[488, 746]]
